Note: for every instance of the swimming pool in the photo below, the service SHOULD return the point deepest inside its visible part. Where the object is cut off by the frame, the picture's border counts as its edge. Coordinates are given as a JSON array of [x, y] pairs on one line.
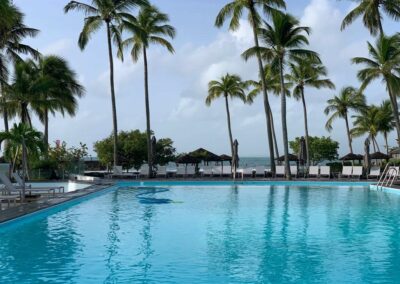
[[213, 233]]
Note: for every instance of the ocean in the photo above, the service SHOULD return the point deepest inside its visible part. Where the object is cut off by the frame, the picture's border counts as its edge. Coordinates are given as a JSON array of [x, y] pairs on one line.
[[245, 162]]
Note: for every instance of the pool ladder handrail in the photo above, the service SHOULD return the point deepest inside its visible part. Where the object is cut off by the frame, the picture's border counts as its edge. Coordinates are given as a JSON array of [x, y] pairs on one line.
[[388, 176]]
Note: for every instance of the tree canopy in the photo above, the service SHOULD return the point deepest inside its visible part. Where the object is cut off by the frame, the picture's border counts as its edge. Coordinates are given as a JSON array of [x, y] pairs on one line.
[[321, 148]]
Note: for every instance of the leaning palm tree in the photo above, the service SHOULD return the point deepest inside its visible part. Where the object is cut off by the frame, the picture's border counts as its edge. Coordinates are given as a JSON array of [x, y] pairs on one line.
[[150, 27], [370, 10], [273, 86], [383, 63], [283, 40], [367, 122], [23, 142], [229, 86], [59, 90], [307, 73], [386, 121], [110, 13], [11, 49], [234, 11], [348, 99]]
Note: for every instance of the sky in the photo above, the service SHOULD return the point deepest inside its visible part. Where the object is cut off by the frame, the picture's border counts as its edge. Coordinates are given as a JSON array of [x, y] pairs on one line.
[[178, 82]]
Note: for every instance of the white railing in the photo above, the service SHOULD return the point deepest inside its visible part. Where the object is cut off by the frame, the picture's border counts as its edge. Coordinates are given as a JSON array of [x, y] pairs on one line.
[[388, 176]]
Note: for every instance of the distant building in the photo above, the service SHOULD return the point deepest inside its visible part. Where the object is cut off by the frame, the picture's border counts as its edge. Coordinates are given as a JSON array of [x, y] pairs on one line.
[[395, 153]]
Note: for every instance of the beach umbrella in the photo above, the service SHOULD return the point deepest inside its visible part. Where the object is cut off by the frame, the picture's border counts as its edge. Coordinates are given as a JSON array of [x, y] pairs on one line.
[[292, 158], [303, 150], [379, 156], [367, 158], [235, 160]]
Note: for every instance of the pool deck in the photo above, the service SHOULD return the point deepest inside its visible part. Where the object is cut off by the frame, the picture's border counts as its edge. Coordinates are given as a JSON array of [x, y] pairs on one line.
[[47, 201]]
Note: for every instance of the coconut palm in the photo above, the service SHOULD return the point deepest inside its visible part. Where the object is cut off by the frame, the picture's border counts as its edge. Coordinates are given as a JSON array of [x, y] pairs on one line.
[[367, 122], [59, 90], [383, 63], [349, 99], [273, 85], [307, 73], [24, 142], [283, 40], [11, 47], [386, 121], [110, 13], [234, 11], [229, 86], [150, 27], [370, 10]]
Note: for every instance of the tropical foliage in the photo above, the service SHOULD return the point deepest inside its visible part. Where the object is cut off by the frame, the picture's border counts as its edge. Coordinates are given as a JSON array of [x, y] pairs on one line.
[[320, 149]]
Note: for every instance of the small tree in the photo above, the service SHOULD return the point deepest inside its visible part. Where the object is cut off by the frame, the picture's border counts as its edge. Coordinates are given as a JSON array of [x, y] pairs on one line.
[[321, 148]]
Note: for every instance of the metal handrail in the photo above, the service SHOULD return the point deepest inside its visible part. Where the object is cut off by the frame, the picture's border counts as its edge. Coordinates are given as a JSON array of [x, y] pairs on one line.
[[388, 177]]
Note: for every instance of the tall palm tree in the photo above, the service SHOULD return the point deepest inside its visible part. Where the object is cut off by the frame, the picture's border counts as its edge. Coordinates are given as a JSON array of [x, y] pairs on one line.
[[23, 142], [110, 13], [386, 121], [370, 10], [383, 63], [339, 106], [150, 27], [307, 73], [274, 86], [234, 11], [367, 122], [229, 86], [11, 48], [59, 90], [283, 40]]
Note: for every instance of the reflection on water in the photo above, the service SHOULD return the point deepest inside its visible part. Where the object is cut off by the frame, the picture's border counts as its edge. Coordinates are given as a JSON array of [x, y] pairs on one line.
[[230, 234]]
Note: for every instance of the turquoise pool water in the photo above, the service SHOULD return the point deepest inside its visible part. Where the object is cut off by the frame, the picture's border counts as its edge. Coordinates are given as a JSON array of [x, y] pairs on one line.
[[193, 233]]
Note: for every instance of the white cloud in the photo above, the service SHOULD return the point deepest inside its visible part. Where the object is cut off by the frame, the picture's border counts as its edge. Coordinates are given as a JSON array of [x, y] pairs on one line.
[[59, 47]]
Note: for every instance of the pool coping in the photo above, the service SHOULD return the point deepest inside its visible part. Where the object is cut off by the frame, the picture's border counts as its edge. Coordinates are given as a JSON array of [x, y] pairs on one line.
[[23, 210]]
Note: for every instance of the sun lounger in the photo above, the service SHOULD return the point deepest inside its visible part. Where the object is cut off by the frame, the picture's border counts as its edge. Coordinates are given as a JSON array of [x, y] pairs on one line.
[[313, 171], [375, 172], [10, 189], [118, 172], [190, 171], [29, 188], [9, 199], [206, 171], [347, 171], [280, 171], [144, 170], [217, 171], [294, 171], [227, 171], [325, 171], [260, 171], [357, 172], [161, 171], [181, 171]]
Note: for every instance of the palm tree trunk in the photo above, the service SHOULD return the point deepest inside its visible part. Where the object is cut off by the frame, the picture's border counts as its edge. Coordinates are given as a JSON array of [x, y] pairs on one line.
[[148, 127], [395, 108], [24, 163], [381, 33], [4, 109], [113, 104], [376, 143], [264, 88], [303, 99], [46, 129], [273, 132], [348, 134], [284, 125], [228, 115], [385, 135], [373, 144]]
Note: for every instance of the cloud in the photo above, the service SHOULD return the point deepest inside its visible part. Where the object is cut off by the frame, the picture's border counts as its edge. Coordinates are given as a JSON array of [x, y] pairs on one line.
[[59, 47]]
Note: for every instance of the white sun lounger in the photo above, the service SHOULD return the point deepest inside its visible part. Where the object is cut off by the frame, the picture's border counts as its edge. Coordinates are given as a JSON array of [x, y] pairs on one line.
[[260, 171], [227, 171], [280, 171], [357, 172], [347, 171], [181, 171], [313, 171], [325, 171], [294, 171], [206, 171], [217, 171], [161, 171], [11, 189], [190, 171], [119, 172], [28, 187], [375, 172]]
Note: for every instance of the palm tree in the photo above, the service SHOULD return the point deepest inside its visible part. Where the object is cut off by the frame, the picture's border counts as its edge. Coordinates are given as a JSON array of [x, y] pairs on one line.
[[229, 86], [284, 40], [386, 121], [367, 122], [23, 142], [234, 11], [11, 47], [383, 63], [348, 99], [273, 85], [111, 14], [59, 90], [371, 14], [307, 73], [150, 27]]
